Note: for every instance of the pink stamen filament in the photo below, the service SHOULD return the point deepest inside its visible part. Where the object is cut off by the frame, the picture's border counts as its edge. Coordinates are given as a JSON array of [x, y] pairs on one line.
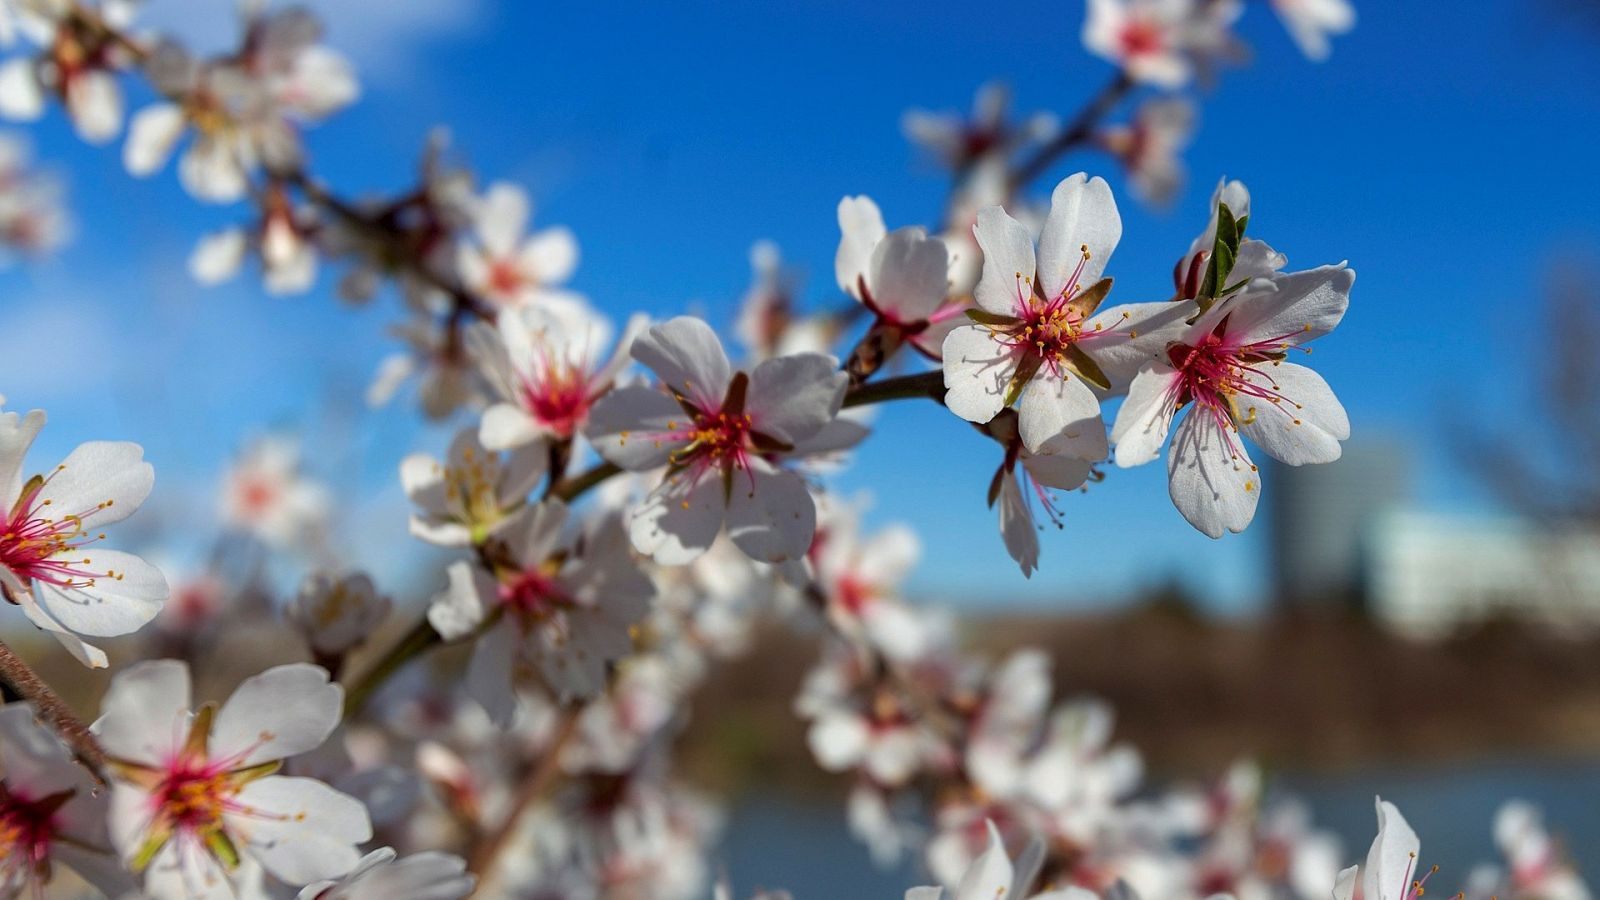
[[41, 547], [1047, 328], [1215, 374]]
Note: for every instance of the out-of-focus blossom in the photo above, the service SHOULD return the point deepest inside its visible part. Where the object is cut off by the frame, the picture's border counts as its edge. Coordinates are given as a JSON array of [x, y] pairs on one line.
[[547, 366], [1162, 42], [505, 264], [80, 54], [51, 813], [436, 357], [194, 792], [722, 436], [959, 142], [52, 562], [245, 109], [380, 875], [336, 613], [33, 220], [1312, 22], [859, 579], [562, 606], [1151, 147], [267, 494], [1036, 339], [472, 493], [283, 240]]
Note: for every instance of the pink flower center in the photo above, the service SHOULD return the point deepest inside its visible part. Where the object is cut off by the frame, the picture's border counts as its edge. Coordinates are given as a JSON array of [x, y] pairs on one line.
[[1048, 329], [854, 594], [193, 795], [40, 543], [1141, 37], [505, 278], [1223, 374], [532, 596], [27, 829], [556, 394]]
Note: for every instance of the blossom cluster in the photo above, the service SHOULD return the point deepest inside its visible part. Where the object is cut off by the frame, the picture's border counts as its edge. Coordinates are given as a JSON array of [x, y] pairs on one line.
[[626, 503]]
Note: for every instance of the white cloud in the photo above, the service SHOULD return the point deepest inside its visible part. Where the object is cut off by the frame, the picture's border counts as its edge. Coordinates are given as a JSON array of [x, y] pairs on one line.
[[382, 37]]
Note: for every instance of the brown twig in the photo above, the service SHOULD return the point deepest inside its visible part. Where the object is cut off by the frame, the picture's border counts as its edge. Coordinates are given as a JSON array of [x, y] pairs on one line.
[[1080, 131], [53, 712], [538, 780]]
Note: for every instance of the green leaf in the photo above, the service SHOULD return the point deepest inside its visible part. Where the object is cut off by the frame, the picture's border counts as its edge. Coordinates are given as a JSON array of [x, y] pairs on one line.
[[1224, 253], [995, 320]]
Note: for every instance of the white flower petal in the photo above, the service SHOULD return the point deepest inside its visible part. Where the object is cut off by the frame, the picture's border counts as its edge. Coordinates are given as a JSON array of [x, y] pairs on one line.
[[628, 427], [1146, 415], [145, 714], [1008, 262], [299, 829], [285, 711], [792, 397], [152, 134], [977, 371], [1305, 427], [1210, 477], [1082, 214], [680, 519], [128, 596], [1061, 415], [687, 356], [102, 482], [771, 515]]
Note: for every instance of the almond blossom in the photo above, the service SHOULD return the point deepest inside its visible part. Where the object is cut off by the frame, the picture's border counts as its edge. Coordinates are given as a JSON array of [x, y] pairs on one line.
[[244, 109], [545, 364], [1160, 42], [1312, 22], [266, 494], [561, 605], [52, 563], [504, 264], [1151, 147], [1036, 339], [51, 813], [380, 875], [1391, 871], [860, 582], [958, 142], [283, 240], [195, 795], [78, 63], [992, 876], [1229, 370], [902, 277], [33, 221], [472, 493], [434, 356], [336, 613], [721, 434]]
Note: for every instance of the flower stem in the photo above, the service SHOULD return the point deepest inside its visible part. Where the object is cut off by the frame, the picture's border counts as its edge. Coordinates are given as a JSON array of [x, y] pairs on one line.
[[534, 785], [1081, 130], [419, 638], [569, 489], [53, 712], [923, 384]]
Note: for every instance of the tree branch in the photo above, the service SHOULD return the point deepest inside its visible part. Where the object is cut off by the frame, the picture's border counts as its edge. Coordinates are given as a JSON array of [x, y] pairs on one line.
[[53, 712]]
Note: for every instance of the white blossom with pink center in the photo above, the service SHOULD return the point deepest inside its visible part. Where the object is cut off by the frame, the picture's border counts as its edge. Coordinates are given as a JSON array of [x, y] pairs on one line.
[[472, 493], [1160, 42], [547, 364], [722, 436], [1037, 340], [562, 605], [52, 562], [266, 493], [902, 277], [195, 794], [505, 264], [51, 813], [245, 109], [76, 63], [860, 581], [1229, 370], [1151, 146]]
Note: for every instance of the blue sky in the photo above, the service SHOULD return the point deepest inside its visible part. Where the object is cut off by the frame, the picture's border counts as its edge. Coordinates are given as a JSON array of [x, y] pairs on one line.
[[1447, 154]]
